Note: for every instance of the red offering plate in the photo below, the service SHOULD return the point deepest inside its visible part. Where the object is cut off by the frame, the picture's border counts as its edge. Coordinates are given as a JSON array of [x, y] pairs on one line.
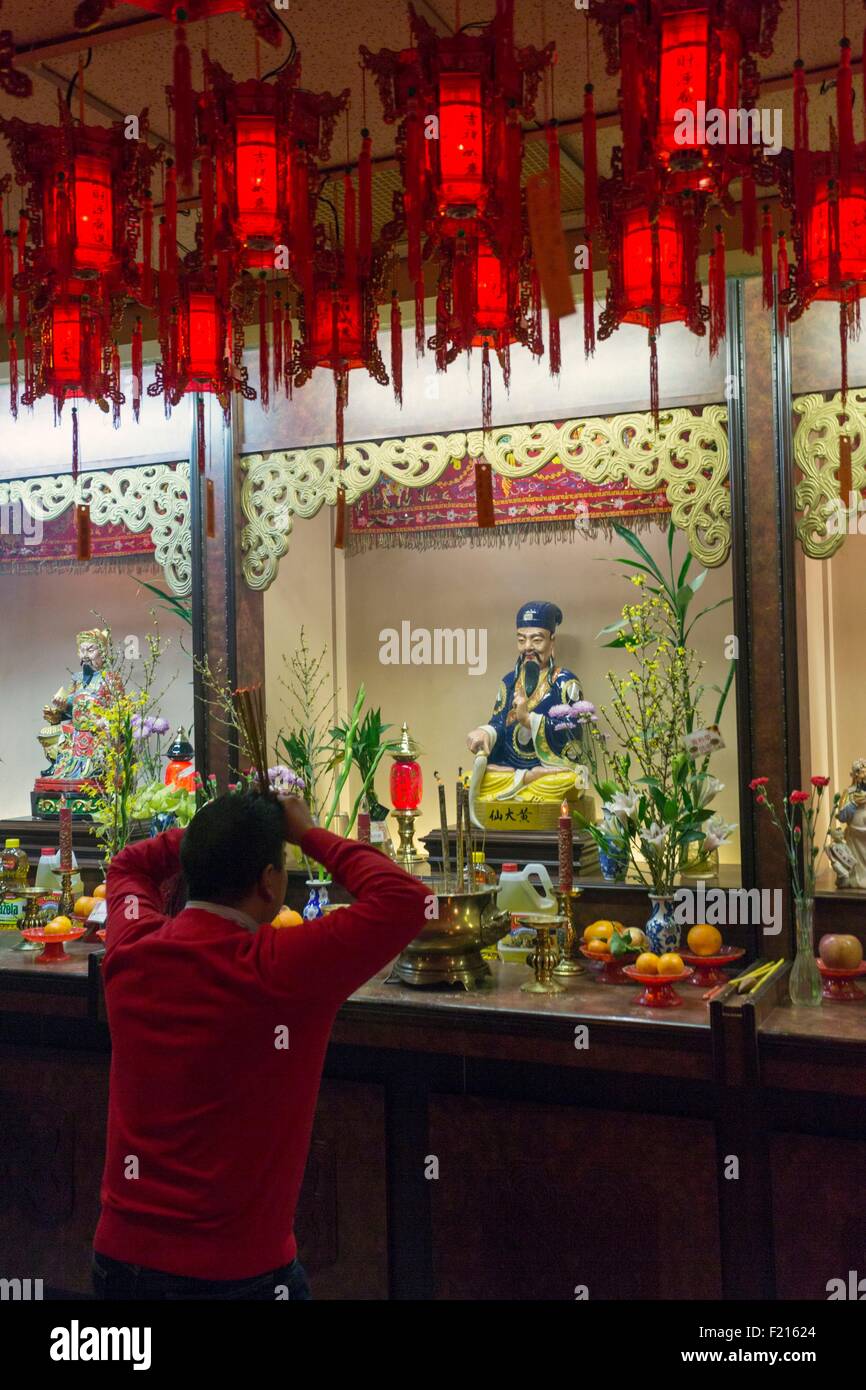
[[657, 992], [839, 984], [53, 943], [612, 973], [708, 969]]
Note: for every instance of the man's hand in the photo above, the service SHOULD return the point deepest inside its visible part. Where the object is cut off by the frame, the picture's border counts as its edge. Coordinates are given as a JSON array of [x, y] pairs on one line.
[[478, 741], [520, 710], [296, 819]]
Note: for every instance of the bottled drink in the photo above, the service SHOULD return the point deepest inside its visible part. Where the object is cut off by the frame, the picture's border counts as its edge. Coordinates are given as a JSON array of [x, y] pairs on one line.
[[48, 875], [14, 869], [482, 874]]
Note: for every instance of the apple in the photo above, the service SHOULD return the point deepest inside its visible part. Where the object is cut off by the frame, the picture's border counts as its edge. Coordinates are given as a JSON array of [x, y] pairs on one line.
[[840, 952]]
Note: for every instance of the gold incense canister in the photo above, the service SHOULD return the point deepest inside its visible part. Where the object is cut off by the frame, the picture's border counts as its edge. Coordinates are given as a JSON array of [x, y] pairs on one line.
[[448, 950]]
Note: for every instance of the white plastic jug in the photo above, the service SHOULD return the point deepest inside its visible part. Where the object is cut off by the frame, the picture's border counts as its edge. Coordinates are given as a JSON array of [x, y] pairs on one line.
[[518, 894]]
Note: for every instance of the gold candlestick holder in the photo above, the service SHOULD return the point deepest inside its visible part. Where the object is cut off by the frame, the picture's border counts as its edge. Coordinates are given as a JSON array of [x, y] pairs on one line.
[[569, 966], [67, 898], [546, 952]]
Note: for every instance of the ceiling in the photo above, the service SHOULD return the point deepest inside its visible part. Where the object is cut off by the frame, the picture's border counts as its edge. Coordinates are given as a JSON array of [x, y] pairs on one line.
[[131, 65]]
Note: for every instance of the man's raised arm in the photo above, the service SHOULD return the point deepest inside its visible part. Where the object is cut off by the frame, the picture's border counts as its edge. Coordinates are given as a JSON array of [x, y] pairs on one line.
[[134, 887]]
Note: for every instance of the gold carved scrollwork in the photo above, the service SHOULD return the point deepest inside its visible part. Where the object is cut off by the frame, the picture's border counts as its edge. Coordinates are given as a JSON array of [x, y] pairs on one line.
[[687, 458], [820, 510], [154, 498]]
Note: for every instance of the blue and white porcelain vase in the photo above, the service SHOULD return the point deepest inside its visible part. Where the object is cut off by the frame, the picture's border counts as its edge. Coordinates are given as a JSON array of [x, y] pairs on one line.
[[662, 930], [613, 864], [318, 899]]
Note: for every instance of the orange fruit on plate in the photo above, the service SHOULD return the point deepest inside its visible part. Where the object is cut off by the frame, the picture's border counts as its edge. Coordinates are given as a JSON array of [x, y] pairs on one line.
[[704, 940], [671, 964], [598, 931], [287, 917], [84, 906], [58, 926], [647, 963], [597, 947], [99, 891]]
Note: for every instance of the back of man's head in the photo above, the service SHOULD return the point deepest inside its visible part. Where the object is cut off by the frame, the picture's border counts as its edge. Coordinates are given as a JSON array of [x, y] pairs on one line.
[[228, 845]]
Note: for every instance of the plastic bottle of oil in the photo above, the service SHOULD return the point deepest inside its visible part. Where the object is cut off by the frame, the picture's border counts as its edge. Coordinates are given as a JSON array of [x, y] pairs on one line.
[[14, 870]]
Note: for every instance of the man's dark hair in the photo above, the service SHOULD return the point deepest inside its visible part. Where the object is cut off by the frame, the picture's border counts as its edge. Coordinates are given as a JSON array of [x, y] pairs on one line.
[[228, 845]]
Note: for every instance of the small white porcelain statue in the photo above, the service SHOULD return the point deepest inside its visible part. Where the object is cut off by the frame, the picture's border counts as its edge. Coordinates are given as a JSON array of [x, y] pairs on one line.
[[848, 852]]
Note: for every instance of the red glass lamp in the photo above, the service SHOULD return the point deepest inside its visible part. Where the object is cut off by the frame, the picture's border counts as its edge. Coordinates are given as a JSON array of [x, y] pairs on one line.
[[407, 788]]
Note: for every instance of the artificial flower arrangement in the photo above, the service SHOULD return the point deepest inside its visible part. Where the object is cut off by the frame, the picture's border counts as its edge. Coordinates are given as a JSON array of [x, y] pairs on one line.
[[797, 823]]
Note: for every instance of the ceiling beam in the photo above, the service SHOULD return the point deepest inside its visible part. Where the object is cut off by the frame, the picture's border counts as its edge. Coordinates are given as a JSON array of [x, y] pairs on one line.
[[95, 103], [31, 55]]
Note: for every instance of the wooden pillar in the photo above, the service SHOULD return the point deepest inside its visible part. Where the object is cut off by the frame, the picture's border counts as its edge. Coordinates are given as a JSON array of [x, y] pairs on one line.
[[228, 616]]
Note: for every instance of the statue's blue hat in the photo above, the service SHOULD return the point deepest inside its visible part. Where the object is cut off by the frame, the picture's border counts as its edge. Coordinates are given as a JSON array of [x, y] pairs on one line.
[[539, 614]]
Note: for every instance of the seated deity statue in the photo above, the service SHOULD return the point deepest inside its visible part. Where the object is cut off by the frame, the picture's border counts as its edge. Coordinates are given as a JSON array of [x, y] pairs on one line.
[[70, 738], [527, 758], [848, 854]]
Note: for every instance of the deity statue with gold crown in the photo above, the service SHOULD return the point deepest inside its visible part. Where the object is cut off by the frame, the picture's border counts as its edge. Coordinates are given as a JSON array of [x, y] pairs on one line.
[[527, 759], [69, 738]]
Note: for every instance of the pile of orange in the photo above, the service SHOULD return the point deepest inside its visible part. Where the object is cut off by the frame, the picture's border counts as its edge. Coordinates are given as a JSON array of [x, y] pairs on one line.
[[596, 937], [648, 963], [704, 940], [58, 926], [287, 917]]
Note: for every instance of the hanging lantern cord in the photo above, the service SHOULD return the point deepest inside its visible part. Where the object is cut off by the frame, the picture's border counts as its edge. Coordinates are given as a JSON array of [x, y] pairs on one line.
[[75, 76], [336, 215], [293, 47]]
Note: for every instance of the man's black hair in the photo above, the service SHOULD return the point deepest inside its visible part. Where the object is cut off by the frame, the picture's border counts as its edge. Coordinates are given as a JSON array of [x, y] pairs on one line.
[[229, 843]]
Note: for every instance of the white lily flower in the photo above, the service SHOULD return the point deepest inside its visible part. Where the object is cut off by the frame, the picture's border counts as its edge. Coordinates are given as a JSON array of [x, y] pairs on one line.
[[710, 787], [656, 835], [717, 832], [623, 806]]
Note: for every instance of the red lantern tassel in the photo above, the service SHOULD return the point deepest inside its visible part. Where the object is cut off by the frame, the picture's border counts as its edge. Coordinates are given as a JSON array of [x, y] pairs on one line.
[[63, 223], [278, 340], [767, 258], [845, 479], [654, 379], [9, 282], [340, 519], [590, 159], [749, 209], [201, 440], [115, 386], [2, 267], [75, 444], [301, 222], [13, 376], [29, 369], [83, 533], [802, 173], [484, 509], [781, 283], [184, 108], [147, 251], [486, 388], [396, 348], [264, 346], [718, 307], [207, 208], [288, 352], [554, 345], [350, 233], [210, 509], [23, 227], [588, 305], [844, 113], [655, 273], [365, 199], [416, 168], [630, 91], [845, 324], [137, 369]]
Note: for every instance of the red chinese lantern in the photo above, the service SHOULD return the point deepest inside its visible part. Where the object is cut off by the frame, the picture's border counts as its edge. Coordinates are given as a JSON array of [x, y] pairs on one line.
[[199, 350], [459, 100], [13, 83], [685, 69], [652, 244], [181, 13]]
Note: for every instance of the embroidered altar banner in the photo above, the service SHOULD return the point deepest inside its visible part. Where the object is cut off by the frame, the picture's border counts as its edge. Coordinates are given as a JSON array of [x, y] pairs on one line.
[[554, 496], [18, 538]]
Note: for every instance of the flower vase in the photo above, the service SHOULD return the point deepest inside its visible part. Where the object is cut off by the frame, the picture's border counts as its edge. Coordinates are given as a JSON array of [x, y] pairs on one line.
[[804, 984], [662, 930], [613, 864], [314, 908]]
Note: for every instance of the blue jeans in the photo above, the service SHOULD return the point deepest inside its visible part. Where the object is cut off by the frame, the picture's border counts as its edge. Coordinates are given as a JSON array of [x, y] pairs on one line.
[[114, 1279]]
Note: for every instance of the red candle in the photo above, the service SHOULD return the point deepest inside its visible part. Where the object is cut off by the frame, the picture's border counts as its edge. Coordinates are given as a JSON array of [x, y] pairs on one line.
[[65, 837], [566, 849]]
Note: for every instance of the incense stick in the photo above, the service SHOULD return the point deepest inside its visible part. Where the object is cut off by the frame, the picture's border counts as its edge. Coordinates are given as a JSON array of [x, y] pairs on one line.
[[443, 832], [250, 710], [460, 846]]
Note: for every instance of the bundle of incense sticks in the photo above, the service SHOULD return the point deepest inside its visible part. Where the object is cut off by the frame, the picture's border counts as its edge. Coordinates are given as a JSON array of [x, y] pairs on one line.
[[250, 711], [460, 850], [470, 840], [443, 832]]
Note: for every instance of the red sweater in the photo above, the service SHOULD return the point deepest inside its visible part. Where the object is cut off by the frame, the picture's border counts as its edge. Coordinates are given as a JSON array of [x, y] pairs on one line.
[[218, 1039]]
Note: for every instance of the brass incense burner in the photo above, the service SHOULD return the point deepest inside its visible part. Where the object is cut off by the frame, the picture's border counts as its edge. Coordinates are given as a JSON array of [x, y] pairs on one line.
[[448, 950]]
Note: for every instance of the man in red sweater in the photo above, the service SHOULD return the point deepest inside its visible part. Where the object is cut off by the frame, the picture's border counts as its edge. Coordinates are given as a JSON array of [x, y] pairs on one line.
[[219, 1027]]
